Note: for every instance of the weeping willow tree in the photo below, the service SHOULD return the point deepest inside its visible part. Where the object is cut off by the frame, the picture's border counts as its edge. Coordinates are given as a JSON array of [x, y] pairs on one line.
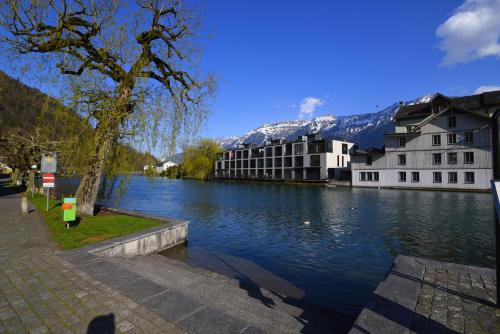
[[199, 160], [129, 68]]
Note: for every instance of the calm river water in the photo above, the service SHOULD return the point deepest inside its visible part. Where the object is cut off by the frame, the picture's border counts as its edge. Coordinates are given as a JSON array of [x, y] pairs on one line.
[[257, 232]]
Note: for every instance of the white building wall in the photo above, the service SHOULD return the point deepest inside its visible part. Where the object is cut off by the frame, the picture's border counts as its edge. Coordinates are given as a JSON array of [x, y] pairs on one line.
[[419, 157], [327, 160]]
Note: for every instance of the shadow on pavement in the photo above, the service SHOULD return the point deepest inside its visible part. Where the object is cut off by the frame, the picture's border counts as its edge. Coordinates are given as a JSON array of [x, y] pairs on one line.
[[6, 189], [315, 319], [103, 324], [409, 319]]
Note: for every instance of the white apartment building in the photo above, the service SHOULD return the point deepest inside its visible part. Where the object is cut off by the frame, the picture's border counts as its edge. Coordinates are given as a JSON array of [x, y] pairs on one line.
[[445, 143], [308, 158]]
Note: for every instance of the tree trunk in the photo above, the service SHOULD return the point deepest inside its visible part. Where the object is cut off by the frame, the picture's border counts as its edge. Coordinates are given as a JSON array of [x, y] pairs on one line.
[[14, 177], [88, 189], [106, 133]]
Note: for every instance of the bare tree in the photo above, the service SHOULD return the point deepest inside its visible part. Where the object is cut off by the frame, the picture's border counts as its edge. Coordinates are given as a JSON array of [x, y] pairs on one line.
[[21, 150], [120, 60]]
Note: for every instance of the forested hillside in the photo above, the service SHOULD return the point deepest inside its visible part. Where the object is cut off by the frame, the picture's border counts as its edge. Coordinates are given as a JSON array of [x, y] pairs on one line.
[[25, 110]]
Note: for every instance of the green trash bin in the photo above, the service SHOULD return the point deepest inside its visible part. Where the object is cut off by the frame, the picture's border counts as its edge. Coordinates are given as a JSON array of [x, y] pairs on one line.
[[69, 210]]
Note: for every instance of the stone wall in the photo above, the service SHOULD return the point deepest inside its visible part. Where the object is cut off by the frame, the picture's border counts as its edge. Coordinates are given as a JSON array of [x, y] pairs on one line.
[[170, 234]]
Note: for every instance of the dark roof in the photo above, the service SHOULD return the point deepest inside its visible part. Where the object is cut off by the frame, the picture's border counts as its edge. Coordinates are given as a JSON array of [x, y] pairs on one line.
[[413, 110], [369, 151], [471, 102]]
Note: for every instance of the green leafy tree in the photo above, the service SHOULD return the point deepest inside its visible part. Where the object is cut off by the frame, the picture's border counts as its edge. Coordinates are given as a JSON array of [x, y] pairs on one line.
[[20, 150], [174, 172], [199, 160]]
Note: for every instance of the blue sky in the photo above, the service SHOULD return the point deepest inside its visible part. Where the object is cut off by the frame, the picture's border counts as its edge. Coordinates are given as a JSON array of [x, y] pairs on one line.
[[281, 60], [348, 57]]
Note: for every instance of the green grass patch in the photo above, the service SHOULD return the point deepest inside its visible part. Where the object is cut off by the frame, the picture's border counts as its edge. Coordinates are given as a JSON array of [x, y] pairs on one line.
[[88, 229]]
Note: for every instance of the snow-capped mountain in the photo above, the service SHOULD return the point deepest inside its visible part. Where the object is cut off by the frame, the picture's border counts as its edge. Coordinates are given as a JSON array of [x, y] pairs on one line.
[[366, 130]]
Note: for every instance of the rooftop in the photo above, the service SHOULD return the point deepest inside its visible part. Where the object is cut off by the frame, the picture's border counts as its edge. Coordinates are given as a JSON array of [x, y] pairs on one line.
[[471, 103]]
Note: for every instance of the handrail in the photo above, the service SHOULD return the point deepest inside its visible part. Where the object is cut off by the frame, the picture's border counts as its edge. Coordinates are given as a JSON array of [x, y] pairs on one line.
[[495, 189]]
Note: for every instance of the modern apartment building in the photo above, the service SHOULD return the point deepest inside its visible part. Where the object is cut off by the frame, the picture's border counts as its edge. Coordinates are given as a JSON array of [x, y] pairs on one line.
[[445, 143], [308, 158]]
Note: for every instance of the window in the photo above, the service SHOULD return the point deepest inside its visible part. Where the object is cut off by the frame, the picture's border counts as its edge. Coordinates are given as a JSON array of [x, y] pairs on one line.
[[329, 146], [469, 137], [269, 152], [437, 177], [238, 154], [452, 122], [468, 157], [415, 177], [469, 177], [362, 176], [375, 176], [344, 148], [402, 141], [342, 161], [402, 159], [298, 148], [278, 151], [402, 176], [452, 177], [436, 158], [369, 176], [316, 147], [315, 162], [452, 138], [452, 158], [338, 160], [369, 160], [436, 140]]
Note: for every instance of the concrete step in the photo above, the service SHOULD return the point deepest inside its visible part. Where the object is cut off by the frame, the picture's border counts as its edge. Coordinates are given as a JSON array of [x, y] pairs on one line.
[[193, 294]]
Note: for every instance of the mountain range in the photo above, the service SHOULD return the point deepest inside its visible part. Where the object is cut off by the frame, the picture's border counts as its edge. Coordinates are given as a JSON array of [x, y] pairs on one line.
[[366, 130]]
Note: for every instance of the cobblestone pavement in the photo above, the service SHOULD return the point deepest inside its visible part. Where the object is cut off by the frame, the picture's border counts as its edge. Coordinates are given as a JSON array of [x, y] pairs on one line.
[[41, 292], [426, 296], [461, 298]]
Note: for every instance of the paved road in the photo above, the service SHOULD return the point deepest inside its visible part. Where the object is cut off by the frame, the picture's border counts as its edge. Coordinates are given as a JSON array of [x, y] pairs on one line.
[[41, 292]]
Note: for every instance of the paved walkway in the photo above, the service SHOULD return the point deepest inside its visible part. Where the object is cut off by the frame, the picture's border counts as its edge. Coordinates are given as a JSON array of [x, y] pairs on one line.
[[45, 290], [426, 296], [41, 292]]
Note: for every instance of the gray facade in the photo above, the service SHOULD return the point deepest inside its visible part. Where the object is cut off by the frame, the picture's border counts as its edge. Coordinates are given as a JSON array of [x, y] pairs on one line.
[[443, 144], [308, 158]]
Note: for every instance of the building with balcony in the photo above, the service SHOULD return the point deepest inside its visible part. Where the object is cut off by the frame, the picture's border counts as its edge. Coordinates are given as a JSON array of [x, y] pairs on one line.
[[445, 143], [307, 158]]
